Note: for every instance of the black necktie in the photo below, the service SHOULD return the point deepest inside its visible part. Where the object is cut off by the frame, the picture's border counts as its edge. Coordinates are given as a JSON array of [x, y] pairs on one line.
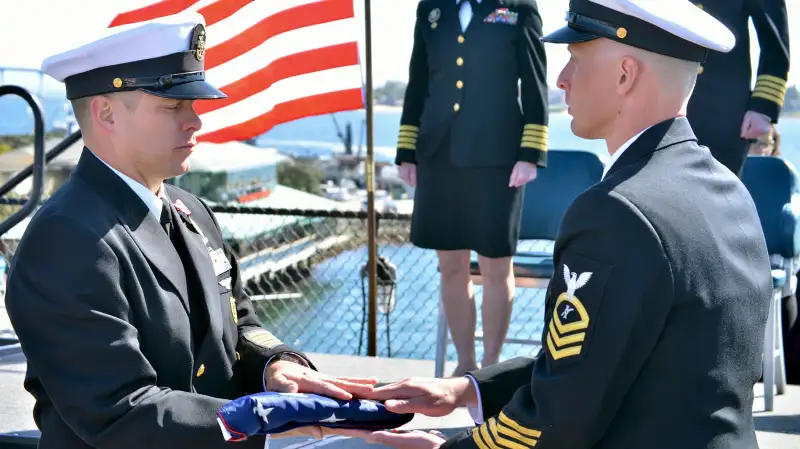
[[166, 217]]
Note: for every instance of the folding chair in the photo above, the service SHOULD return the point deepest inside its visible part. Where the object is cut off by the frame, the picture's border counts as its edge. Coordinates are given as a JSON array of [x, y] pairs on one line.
[[774, 185], [568, 174]]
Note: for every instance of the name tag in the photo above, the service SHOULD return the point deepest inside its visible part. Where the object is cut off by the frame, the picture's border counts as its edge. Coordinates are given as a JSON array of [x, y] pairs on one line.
[[219, 261]]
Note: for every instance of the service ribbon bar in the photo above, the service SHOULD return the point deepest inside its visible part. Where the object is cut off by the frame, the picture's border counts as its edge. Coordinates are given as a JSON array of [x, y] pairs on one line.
[[770, 87], [535, 137], [407, 137]]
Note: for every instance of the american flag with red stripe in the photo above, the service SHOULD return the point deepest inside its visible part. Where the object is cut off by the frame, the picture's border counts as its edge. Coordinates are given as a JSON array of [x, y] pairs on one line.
[[276, 60]]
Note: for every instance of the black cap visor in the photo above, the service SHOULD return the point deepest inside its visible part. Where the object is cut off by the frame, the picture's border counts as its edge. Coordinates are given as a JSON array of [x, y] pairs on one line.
[[177, 75], [192, 90], [580, 28], [568, 35]]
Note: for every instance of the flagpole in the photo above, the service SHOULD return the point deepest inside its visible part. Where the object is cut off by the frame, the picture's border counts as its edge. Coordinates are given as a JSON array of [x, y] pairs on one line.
[[372, 337]]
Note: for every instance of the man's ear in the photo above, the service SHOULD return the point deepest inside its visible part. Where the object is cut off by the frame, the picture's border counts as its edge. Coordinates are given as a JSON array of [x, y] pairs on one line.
[[629, 69], [102, 112]]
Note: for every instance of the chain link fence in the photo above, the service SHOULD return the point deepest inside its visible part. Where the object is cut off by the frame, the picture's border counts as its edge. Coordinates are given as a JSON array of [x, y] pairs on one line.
[[305, 271]]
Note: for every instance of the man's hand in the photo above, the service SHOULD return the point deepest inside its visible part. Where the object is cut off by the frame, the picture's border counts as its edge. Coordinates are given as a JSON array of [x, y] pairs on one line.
[[408, 173], [288, 377], [754, 125], [431, 397], [400, 439], [523, 173]]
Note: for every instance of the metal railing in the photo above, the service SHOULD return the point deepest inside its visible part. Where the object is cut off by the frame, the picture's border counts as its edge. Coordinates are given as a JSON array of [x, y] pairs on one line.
[[304, 271], [37, 169]]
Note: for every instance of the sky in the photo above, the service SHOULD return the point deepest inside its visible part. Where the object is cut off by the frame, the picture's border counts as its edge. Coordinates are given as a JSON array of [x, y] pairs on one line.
[[31, 30]]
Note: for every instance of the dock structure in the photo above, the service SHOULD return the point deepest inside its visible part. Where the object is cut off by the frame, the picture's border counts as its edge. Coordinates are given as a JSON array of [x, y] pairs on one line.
[[778, 429]]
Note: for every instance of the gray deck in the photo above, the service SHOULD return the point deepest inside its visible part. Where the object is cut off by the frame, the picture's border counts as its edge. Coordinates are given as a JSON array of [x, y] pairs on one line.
[[779, 429]]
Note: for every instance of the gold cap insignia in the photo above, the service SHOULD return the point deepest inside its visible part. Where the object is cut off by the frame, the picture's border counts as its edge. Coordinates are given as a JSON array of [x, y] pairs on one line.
[[117, 83], [621, 33], [434, 15], [199, 42]]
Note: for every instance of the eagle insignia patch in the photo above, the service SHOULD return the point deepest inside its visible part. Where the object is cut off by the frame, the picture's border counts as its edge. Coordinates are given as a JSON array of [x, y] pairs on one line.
[[567, 330]]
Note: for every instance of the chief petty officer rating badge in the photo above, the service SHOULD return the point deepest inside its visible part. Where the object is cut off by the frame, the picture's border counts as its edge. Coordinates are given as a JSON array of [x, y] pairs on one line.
[[567, 329]]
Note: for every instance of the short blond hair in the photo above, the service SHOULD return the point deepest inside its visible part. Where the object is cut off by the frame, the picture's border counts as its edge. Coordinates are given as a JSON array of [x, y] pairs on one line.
[[81, 107]]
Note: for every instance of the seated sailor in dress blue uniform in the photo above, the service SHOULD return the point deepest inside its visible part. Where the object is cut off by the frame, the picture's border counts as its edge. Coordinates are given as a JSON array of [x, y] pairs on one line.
[[655, 316]]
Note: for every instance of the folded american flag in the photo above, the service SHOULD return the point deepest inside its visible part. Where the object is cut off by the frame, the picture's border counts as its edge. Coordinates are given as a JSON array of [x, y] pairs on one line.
[[268, 413]]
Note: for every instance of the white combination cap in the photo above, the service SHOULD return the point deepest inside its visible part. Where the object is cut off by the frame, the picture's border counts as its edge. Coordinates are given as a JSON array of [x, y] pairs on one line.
[[675, 28], [164, 57]]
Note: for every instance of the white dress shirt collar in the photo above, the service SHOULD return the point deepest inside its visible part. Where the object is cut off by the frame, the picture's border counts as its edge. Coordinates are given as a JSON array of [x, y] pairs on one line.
[[620, 150], [151, 200]]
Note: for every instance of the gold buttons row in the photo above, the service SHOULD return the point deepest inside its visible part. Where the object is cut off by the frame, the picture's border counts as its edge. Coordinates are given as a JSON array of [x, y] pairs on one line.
[[459, 83]]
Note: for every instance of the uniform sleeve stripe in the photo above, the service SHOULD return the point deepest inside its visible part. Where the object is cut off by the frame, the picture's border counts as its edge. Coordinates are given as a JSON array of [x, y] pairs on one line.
[[504, 442], [504, 419], [476, 436], [409, 128], [535, 135], [406, 146], [768, 96], [407, 139], [262, 338], [765, 88], [534, 146], [535, 127], [482, 436], [516, 435], [540, 140], [409, 133], [778, 89], [778, 81]]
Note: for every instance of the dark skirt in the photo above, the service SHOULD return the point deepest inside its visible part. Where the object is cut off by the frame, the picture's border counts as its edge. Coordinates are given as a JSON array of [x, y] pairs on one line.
[[465, 208]]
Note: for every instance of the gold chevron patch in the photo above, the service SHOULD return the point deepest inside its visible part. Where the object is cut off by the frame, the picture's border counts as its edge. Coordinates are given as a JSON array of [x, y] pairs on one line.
[[770, 88], [567, 330], [407, 137], [502, 432]]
